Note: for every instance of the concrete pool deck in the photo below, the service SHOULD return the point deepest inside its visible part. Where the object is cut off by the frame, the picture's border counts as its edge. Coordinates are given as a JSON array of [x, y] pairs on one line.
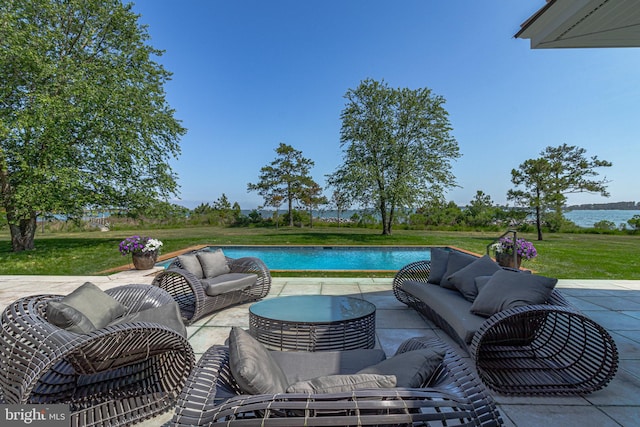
[[615, 304]]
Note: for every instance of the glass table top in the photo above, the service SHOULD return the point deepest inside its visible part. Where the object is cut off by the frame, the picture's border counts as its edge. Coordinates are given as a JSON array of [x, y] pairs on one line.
[[312, 308]]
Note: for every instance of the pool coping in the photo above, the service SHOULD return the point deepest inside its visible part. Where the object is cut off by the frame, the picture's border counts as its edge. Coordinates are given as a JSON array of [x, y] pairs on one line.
[[165, 257]]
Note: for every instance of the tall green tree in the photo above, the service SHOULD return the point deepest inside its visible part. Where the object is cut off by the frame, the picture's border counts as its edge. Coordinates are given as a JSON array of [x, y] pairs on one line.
[[573, 172], [340, 202], [397, 148], [222, 207], [634, 222], [285, 178], [83, 115], [311, 198], [436, 211], [548, 179], [481, 211], [533, 175]]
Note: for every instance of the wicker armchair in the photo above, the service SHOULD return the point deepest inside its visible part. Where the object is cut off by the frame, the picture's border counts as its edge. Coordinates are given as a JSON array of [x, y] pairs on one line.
[[530, 350], [454, 396], [116, 375], [189, 292]]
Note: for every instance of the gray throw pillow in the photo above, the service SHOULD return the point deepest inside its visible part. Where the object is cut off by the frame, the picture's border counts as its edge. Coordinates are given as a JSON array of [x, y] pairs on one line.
[[439, 259], [411, 369], [213, 263], [456, 261], [342, 383], [464, 279], [100, 308], [67, 317], [252, 366], [167, 315], [480, 282], [191, 263], [508, 289]]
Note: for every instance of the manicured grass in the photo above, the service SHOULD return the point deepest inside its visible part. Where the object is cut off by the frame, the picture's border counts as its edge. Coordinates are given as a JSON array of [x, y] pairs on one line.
[[579, 256]]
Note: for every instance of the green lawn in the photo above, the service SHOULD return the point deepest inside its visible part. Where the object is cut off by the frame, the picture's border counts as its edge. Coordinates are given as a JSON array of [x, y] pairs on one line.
[[580, 256]]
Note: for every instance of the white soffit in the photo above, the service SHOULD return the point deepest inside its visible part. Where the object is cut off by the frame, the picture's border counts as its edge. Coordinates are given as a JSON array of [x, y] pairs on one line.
[[584, 23]]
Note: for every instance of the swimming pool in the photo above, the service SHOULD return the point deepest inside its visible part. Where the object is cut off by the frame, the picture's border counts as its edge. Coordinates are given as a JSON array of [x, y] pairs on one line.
[[329, 258]]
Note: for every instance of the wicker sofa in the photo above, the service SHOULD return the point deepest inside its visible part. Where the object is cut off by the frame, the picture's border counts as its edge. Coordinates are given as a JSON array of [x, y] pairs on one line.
[[451, 396], [239, 280], [119, 374], [544, 348]]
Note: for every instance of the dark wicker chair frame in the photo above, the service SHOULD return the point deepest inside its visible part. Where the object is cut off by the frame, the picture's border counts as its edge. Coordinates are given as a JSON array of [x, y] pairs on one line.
[[454, 396], [189, 292], [532, 350], [116, 375]]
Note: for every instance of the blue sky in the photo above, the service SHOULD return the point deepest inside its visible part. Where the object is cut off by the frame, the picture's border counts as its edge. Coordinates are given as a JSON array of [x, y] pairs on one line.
[[249, 74]]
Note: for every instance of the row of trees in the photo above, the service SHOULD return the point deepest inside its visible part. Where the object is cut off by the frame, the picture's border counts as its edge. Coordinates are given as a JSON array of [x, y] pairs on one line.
[[481, 213], [397, 153]]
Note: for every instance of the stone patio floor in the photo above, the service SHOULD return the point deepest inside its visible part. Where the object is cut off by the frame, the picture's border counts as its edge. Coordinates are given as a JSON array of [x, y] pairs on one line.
[[615, 304]]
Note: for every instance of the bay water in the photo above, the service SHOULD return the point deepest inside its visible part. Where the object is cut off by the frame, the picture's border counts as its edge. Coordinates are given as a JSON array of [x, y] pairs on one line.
[[586, 218]]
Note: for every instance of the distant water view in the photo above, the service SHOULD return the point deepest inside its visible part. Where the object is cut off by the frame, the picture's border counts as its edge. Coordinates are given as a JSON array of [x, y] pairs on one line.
[[587, 218], [582, 218]]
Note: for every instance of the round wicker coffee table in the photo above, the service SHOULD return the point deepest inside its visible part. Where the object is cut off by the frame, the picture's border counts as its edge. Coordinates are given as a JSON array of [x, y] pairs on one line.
[[313, 323]]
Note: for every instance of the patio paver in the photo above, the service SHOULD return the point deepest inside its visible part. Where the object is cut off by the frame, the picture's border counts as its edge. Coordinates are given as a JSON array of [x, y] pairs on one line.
[[612, 303]]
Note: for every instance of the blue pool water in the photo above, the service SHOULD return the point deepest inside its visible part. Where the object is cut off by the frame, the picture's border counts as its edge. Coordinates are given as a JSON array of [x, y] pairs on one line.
[[330, 258]]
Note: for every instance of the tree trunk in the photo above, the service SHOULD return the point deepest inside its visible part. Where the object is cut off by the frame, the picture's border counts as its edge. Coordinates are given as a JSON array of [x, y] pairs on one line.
[[538, 223], [538, 213], [388, 223], [386, 229], [23, 233], [387, 220], [290, 212]]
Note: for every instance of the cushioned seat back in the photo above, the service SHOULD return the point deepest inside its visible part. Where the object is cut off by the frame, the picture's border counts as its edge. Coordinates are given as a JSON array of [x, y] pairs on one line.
[[300, 366]]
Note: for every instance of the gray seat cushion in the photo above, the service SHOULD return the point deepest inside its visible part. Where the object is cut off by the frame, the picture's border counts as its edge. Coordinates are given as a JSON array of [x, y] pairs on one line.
[[449, 304], [302, 365], [229, 282], [343, 383]]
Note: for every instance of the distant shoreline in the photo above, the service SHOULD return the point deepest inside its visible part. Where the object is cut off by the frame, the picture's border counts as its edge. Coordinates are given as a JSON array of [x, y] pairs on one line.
[[613, 206], [637, 208]]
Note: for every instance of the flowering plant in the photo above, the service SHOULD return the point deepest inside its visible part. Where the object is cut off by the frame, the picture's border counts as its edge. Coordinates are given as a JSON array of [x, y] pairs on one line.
[[138, 244], [523, 248]]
